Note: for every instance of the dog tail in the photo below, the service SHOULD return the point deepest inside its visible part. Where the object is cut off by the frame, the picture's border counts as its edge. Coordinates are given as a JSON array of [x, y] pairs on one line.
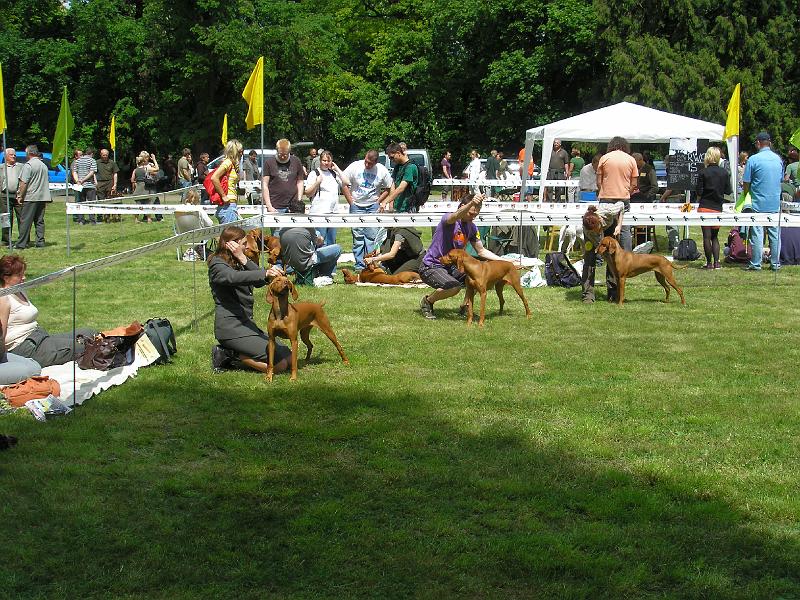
[[678, 267]]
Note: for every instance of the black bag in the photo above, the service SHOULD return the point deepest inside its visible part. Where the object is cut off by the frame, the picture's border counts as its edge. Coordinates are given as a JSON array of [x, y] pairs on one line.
[[686, 250], [559, 272], [103, 353], [297, 206], [419, 195], [161, 334]]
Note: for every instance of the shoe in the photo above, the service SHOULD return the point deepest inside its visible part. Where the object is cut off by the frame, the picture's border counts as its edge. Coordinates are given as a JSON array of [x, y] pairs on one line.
[[220, 359], [751, 268], [774, 267], [708, 267], [40, 245], [427, 309], [717, 266], [15, 247]]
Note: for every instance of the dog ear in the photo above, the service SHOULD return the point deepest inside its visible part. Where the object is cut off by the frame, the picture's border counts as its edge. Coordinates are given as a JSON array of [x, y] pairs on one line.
[[270, 297], [460, 262], [292, 289]]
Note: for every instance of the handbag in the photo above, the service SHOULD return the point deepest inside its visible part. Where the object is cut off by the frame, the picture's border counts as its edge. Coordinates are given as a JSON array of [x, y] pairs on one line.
[[110, 349], [32, 388], [297, 206]]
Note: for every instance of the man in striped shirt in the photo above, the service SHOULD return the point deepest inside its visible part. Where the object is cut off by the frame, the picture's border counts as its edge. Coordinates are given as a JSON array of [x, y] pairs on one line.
[[84, 172]]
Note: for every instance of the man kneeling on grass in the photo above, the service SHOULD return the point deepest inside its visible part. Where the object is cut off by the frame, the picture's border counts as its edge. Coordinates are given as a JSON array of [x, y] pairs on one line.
[[453, 231]]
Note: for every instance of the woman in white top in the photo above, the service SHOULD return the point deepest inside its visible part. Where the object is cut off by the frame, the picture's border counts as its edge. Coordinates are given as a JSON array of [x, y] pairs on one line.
[[473, 170], [322, 188], [23, 335]]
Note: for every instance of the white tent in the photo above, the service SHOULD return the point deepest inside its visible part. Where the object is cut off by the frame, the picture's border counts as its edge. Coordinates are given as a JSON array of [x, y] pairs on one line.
[[633, 122]]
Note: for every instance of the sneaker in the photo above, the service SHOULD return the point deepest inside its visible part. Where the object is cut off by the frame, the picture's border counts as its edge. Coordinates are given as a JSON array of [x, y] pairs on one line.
[[220, 359], [751, 268], [717, 266], [709, 267], [426, 308], [774, 267]]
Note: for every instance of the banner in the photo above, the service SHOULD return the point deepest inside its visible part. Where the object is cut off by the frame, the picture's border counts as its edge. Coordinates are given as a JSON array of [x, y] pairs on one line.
[[225, 130], [64, 129], [734, 107], [254, 95], [2, 102], [112, 134]]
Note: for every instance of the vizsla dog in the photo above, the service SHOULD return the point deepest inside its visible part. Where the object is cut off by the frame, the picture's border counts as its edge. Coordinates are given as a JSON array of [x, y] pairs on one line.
[[253, 244], [624, 264], [374, 274], [288, 320], [481, 275]]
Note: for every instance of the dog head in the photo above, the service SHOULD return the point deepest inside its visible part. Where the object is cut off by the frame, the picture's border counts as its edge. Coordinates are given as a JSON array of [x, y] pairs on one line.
[[254, 242], [608, 245], [273, 247], [280, 286], [454, 257]]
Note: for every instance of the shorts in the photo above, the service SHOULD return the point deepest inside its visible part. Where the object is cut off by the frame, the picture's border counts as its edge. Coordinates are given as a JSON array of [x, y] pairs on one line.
[[442, 277]]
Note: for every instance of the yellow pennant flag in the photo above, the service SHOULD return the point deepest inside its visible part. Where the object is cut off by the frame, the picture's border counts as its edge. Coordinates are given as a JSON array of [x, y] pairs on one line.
[[734, 106], [2, 103], [225, 130], [254, 95], [112, 134]]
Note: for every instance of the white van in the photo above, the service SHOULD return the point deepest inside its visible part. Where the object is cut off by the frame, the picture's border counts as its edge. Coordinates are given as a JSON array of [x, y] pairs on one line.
[[418, 156]]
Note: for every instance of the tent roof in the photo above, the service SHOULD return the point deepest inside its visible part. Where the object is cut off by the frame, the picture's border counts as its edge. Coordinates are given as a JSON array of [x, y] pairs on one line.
[[633, 122]]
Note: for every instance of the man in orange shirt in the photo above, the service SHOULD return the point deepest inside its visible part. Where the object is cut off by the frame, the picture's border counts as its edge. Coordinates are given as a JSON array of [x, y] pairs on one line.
[[521, 158], [617, 178]]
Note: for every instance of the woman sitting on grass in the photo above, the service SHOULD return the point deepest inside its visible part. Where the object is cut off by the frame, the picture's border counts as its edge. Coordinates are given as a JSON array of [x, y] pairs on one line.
[[23, 335], [232, 277]]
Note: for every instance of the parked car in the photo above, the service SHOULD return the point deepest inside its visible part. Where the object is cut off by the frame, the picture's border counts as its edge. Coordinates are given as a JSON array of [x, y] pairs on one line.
[[418, 156], [57, 174]]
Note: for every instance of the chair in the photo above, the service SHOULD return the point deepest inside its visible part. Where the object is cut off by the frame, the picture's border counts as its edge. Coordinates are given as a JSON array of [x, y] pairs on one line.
[[188, 221], [642, 234], [552, 241]]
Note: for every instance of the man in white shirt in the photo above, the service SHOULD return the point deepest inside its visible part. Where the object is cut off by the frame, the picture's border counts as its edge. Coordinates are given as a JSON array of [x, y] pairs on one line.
[[9, 182], [369, 183]]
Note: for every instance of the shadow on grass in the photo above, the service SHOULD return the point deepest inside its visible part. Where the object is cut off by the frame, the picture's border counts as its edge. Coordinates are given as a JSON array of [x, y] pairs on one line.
[[317, 490]]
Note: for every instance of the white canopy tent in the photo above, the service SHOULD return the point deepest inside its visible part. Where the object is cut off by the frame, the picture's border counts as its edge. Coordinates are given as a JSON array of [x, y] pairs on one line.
[[633, 122]]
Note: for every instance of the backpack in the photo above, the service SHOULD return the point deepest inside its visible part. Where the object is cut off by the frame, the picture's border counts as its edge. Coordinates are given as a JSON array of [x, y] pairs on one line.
[[161, 334], [559, 272], [419, 195], [208, 185], [738, 251], [686, 250]]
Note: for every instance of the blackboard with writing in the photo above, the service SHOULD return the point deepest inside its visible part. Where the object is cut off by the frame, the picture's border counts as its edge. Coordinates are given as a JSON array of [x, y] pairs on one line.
[[684, 165]]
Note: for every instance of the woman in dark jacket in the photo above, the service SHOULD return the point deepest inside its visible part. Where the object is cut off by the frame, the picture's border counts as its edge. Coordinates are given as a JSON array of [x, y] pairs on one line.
[[712, 185], [232, 277]]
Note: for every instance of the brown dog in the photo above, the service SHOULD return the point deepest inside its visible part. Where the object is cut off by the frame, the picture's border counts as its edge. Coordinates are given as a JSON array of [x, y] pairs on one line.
[[288, 320], [253, 245], [624, 264], [374, 274], [483, 274]]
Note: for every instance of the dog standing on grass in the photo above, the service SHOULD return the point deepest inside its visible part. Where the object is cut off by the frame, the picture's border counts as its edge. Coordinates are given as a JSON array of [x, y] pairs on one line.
[[290, 320], [481, 275], [624, 264]]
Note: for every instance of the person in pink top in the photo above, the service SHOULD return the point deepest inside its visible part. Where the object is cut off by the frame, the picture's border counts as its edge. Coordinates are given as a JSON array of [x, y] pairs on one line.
[[617, 179]]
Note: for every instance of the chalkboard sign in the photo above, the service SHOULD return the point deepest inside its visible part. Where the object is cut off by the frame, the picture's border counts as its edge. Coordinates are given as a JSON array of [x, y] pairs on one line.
[[684, 163]]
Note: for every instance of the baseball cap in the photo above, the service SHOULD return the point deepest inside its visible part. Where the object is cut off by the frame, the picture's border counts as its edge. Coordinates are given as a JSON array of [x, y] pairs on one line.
[[763, 136]]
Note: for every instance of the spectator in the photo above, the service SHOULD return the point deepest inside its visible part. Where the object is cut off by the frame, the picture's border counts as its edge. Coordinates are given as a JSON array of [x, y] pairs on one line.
[[185, 171], [713, 183], [23, 335], [447, 172], [316, 159], [107, 171], [144, 168], [33, 194], [617, 176], [369, 183], [576, 164], [402, 251], [454, 230], [283, 179], [502, 166], [762, 179], [790, 175], [531, 165], [14, 368], [201, 171], [473, 170], [647, 182], [599, 221], [743, 156], [226, 212], [405, 179], [491, 169], [302, 250], [232, 277], [588, 177], [171, 172], [312, 154], [251, 172], [322, 188], [9, 183], [558, 169], [152, 180], [84, 175]]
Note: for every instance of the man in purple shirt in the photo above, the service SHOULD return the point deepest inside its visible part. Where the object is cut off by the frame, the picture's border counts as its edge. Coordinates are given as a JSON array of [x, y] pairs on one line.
[[447, 173], [453, 231]]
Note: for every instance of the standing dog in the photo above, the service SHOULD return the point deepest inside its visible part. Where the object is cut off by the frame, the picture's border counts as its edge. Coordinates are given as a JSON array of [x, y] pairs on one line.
[[624, 264], [253, 245], [483, 274], [288, 320]]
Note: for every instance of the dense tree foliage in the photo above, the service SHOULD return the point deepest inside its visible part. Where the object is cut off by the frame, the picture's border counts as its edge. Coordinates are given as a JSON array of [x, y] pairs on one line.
[[436, 73]]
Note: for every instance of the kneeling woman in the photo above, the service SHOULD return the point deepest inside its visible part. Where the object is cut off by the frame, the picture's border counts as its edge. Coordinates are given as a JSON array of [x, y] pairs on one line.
[[232, 277], [23, 335]]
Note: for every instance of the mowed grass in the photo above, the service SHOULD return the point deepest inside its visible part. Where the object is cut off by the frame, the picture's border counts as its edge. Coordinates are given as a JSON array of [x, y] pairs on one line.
[[589, 452]]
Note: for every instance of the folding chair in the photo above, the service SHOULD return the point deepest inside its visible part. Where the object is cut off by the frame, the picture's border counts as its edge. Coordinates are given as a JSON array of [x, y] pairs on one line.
[[188, 221]]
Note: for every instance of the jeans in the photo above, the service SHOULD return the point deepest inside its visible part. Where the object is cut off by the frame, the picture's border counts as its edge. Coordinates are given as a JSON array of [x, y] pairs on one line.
[[87, 195], [227, 213], [183, 184], [325, 259], [276, 231], [364, 238], [328, 235], [757, 242]]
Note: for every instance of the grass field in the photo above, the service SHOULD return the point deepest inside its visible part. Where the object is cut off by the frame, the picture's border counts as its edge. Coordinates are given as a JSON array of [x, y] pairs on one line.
[[592, 451]]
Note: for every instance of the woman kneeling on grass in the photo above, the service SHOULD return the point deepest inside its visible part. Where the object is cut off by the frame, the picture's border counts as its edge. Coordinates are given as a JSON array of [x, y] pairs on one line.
[[23, 335], [453, 231], [232, 277]]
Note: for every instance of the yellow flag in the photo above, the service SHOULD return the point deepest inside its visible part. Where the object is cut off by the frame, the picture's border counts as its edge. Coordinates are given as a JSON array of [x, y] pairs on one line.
[[112, 134], [2, 103], [254, 95], [734, 106], [225, 130]]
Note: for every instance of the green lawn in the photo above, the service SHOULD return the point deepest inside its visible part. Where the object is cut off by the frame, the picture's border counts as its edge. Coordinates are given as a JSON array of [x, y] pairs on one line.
[[589, 452]]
